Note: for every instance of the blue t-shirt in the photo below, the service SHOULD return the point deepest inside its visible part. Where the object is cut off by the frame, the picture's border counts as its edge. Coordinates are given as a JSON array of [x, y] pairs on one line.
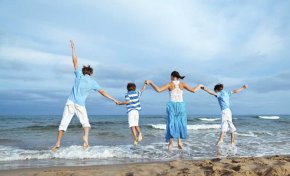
[[224, 99], [133, 98], [83, 85]]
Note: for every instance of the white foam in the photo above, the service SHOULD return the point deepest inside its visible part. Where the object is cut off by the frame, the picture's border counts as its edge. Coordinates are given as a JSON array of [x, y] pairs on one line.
[[11, 153], [226, 150], [209, 119], [190, 127], [269, 117], [250, 134], [8, 153]]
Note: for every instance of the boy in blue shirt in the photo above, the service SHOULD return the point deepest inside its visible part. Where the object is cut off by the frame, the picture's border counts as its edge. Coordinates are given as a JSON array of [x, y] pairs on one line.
[[133, 107], [83, 85], [223, 97]]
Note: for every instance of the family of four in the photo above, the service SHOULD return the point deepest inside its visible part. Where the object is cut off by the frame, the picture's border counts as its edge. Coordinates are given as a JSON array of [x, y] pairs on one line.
[[176, 121]]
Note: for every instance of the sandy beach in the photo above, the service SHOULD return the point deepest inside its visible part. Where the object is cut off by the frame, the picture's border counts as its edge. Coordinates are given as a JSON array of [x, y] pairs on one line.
[[250, 166]]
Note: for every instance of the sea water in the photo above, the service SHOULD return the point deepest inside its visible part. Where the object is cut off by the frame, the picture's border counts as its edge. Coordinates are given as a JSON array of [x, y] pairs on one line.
[[25, 141]]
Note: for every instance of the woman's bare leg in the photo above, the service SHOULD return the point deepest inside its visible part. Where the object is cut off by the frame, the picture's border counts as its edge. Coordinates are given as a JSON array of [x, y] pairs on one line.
[[180, 145], [170, 145]]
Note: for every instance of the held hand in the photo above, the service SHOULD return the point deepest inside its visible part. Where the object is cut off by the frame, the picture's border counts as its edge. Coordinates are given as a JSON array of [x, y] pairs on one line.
[[147, 81], [201, 86], [118, 102], [245, 86]]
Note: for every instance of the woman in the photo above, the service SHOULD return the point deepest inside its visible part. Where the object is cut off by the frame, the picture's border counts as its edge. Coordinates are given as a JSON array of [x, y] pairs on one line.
[[176, 121]]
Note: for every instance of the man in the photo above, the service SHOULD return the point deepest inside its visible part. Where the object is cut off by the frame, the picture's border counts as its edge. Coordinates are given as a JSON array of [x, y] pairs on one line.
[[83, 85]]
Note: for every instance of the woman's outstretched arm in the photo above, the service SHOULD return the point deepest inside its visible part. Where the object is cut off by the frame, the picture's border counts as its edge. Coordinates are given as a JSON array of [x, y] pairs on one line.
[[156, 88], [192, 89]]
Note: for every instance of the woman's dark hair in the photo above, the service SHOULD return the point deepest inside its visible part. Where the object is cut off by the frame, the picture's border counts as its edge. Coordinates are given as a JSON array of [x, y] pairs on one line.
[[131, 86], [218, 87], [177, 75], [87, 70]]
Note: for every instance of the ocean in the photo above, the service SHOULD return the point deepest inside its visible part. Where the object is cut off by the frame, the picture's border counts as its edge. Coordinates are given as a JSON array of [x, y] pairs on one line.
[[25, 141]]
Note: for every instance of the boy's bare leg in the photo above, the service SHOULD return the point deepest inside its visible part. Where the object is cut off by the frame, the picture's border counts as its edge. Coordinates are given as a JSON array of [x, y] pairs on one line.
[[133, 130], [139, 133], [58, 139], [180, 145], [86, 137], [170, 145], [138, 129], [221, 138], [233, 138]]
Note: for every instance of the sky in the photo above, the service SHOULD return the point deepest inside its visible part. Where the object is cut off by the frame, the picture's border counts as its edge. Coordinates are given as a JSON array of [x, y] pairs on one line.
[[208, 41]]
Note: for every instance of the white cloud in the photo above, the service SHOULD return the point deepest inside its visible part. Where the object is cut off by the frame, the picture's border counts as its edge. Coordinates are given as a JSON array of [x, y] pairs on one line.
[[209, 42]]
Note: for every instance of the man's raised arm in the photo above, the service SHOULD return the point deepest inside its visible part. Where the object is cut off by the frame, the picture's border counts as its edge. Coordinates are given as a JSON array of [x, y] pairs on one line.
[[74, 56]]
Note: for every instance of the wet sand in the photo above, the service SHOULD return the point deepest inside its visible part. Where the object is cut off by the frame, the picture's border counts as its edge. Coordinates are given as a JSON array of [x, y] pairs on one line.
[[250, 166]]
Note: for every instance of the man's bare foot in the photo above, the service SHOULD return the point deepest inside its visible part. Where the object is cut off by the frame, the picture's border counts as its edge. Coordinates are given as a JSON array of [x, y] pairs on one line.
[[140, 137], [233, 144], [180, 146], [170, 145], [55, 148], [86, 142], [135, 142]]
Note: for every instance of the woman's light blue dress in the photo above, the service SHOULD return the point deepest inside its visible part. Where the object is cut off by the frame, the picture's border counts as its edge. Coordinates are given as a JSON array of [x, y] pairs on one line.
[[176, 120]]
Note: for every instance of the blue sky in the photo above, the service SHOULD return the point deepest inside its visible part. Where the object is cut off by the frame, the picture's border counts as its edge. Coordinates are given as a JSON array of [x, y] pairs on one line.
[[230, 42]]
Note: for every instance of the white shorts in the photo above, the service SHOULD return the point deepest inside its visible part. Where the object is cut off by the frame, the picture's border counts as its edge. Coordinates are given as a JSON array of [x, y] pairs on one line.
[[133, 118], [227, 123], [70, 110]]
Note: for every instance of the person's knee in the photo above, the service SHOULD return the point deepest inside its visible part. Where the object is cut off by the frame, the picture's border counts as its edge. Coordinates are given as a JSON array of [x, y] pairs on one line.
[[86, 125], [62, 127]]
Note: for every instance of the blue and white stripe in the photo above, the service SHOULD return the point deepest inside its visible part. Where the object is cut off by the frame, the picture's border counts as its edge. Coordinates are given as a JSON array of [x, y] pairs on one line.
[[133, 98]]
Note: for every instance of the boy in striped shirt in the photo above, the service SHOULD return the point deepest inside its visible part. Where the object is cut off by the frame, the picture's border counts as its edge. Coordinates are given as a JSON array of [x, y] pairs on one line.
[[133, 107]]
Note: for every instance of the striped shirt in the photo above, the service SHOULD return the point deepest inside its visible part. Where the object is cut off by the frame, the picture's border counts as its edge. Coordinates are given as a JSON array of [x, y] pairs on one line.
[[133, 98]]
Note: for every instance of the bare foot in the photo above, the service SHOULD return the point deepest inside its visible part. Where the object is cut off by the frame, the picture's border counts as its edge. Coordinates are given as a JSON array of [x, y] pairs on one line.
[[180, 146], [55, 148], [233, 144], [86, 143], [140, 137], [170, 145], [135, 142]]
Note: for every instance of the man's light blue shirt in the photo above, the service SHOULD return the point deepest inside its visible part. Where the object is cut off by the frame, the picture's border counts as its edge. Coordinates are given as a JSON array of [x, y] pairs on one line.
[[83, 85], [224, 99]]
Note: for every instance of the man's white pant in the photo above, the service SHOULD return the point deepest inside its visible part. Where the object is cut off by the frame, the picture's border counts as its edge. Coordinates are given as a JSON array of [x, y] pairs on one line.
[[227, 123], [70, 110]]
